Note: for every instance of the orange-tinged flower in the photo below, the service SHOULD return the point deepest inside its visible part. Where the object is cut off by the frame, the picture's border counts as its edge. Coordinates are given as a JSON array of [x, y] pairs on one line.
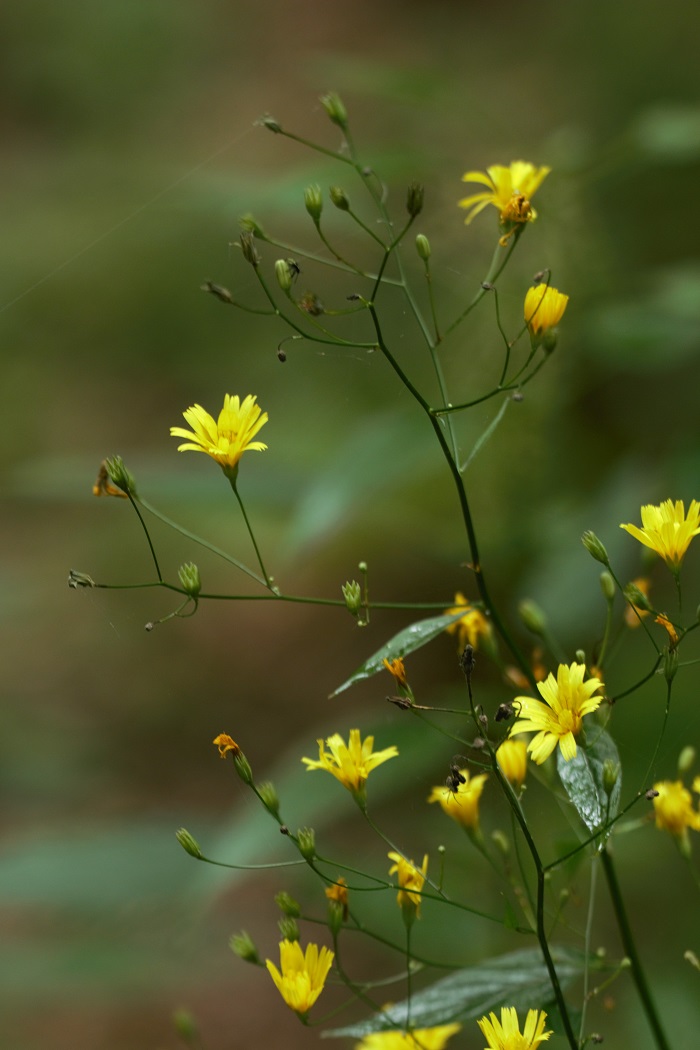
[[303, 974], [472, 627], [225, 743], [463, 804], [228, 437], [512, 758], [505, 1034], [338, 892], [671, 631], [350, 763], [420, 1039], [103, 484], [509, 189], [397, 670], [544, 308], [411, 880], [567, 698], [667, 530]]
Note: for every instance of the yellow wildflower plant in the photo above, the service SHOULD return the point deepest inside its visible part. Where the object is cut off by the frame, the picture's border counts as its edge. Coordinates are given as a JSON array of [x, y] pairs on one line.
[[544, 308], [303, 974], [461, 805], [673, 807], [397, 670], [226, 438], [225, 743], [350, 763], [667, 530], [508, 188], [419, 1039], [505, 1034], [671, 631], [512, 758], [567, 698], [411, 880], [472, 628]]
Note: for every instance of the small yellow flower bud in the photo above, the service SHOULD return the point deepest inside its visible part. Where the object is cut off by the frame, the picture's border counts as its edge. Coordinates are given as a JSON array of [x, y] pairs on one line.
[[423, 247], [313, 202], [268, 797], [607, 586], [241, 944], [414, 199], [352, 592], [289, 928], [306, 841], [190, 579], [287, 904], [594, 547], [532, 616], [340, 198], [189, 843], [686, 759], [250, 252], [283, 274], [119, 474], [335, 109]]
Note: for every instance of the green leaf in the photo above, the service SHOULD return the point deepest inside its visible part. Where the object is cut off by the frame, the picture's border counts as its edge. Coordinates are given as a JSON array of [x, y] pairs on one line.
[[518, 979], [412, 637], [582, 777]]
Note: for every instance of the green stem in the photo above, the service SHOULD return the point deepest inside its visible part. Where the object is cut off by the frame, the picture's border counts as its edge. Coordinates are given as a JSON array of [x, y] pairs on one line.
[[268, 580], [630, 947], [132, 501]]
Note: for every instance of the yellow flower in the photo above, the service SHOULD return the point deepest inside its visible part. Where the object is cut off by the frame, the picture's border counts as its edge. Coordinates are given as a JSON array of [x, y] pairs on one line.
[[225, 743], [667, 530], [350, 763], [303, 974], [671, 631], [397, 670], [558, 720], [673, 808], [544, 308], [471, 627], [505, 1034], [463, 804], [420, 1039], [338, 892], [512, 758], [632, 618], [411, 880], [508, 189], [228, 437]]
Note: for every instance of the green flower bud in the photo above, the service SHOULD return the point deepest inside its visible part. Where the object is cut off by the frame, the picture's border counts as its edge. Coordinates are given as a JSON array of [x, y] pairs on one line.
[[594, 547], [335, 109], [638, 598], [283, 274], [580, 656], [185, 1026], [269, 798], [189, 578], [549, 340], [119, 474], [335, 916], [248, 222], [414, 199], [352, 592], [289, 928], [607, 586], [189, 843], [287, 904], [241, 944], [340, 198], [270, 123], [313, 202], [611, 775], [243, 767], [250, 253], [686, 759], [423, 247], [80, 579], [306, 841], [670, 664], [500, 841], [532, 616]]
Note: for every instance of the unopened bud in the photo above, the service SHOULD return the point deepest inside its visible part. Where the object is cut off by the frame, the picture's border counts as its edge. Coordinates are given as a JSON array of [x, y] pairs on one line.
[[607, 586], [637, 597], [414, 199], [289, 928], [532, 616], [313, 202], [594, 547], [283, 274], [580, 656], [243, 768], [119, 474], [670, 664], [270, 123], [549, 340], [241, 944], [611, 775], [80, 579], [268, 797], [287, 904], [501, 842], [306, 841], [189, 843], [352, 592], [686, 759], [423, 247], [340, 198], [335, 109], [248, 222], [250, 252], [190, 579], [185, 1026]]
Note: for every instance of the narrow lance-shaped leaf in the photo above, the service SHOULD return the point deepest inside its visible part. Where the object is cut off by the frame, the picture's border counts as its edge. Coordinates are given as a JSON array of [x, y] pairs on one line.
[[583, 779]]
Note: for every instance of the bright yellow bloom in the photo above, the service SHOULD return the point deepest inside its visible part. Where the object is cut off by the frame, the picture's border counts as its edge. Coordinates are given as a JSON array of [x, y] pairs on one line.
[[505, 1034], [508, 189], [558, 720], [228, 437], [420, 1039], [338, 892], [673, 808], [472, 626], [632, 618], [512, 758], [225, 743], [463, 804], [667, 530], [350, 763], [303, 974], [397, 670], [411, 880], [544, 308]]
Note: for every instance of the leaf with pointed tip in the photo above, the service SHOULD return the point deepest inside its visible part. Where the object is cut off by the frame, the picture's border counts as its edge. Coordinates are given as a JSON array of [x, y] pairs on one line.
[[583, 780]]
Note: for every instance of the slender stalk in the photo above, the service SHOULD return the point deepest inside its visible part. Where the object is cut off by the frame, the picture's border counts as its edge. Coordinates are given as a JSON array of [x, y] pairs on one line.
[[268, 580], [139, 515]]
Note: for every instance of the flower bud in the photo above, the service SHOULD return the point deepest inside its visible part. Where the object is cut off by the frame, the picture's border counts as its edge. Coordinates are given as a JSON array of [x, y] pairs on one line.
[[269, 798], [670, 665], [501, 842], [248, 222], [306, 841], [189, 578], [637, 597], [340, 198], [611, 775], [311, 304], [594, 547], [185, 1026], [423, 247], [580, 656], [287, 904], [243, 768], [189, 843], [313, 202], [250, 253], [270, 123], [289, 928], [283, 274], [335, 109], [352, 592], [532, 616], [119, 474], [414, 199], [241, 944], [607, 586], [80, 579], [686, 759]]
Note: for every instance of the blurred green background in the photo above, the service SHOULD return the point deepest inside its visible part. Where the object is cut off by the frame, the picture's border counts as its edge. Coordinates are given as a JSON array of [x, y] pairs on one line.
[[130, 153]]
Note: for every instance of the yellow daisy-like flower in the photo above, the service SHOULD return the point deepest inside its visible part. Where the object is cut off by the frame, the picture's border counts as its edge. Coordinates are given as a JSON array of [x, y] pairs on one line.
[[472, 627], [667, 529], [673, 808], [420, 1039], [228, 437], [505, 1034], [411, 881], [544, 308], [350, 763], [508, 188], [512, 758], [558, 720], [303, 974], [463, 804]]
